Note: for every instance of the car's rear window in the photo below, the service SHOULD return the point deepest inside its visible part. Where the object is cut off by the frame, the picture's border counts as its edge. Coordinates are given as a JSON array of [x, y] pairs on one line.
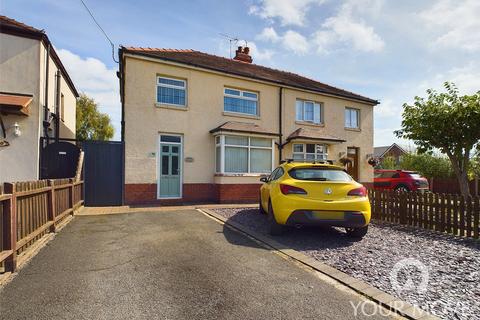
[[387, 174], [319, 174]]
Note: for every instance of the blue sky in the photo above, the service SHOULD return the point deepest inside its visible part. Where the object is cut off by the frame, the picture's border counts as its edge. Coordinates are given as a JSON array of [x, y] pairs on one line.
[[387, 50]]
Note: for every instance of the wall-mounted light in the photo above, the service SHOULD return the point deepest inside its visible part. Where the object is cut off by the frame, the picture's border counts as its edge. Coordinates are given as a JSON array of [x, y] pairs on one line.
[[341, 154], [16, 130], [369, 155]]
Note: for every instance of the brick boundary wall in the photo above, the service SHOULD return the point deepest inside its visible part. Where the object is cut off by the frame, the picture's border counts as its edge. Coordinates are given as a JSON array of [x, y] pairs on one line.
[[146, 193]]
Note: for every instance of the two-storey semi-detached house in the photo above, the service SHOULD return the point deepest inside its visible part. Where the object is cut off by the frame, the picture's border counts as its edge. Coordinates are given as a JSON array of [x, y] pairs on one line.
[[37, 99], [199, 127]]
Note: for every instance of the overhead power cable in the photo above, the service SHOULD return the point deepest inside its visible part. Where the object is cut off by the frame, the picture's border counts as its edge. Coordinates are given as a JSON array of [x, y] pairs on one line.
[[101, 29]]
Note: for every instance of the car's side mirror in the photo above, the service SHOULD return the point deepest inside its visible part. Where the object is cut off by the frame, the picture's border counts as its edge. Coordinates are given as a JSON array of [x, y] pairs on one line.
[[264, 179]]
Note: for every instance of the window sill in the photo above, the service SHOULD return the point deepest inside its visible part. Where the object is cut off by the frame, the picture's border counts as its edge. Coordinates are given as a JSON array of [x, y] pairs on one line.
[[353, 129], [240, 174], [240, 115], [171, 106], [312, 124]]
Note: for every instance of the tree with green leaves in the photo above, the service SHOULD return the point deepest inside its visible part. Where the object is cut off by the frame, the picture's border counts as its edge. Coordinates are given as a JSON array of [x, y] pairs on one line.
[[428, 165], [388, 163], [448, 122], [92, 124]]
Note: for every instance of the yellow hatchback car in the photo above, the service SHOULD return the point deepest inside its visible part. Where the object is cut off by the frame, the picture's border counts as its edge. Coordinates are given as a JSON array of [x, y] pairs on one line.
[[301, 193]]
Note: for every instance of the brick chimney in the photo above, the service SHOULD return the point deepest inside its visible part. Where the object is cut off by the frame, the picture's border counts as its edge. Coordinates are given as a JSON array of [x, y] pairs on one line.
[[242, 54]]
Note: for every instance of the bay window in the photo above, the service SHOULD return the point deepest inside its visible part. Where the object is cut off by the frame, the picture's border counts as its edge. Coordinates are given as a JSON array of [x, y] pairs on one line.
[[243, 154], [309, 151], [309, 111]]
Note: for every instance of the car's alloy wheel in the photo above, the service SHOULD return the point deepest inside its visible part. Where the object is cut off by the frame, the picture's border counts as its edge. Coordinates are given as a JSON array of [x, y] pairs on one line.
[[401, 189], [357, 232], [275, 229]]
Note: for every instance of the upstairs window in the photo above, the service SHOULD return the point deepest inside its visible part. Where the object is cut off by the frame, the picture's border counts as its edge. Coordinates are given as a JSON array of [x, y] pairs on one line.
[[352, 118], [309, 111], [239, 101], [171, 91]]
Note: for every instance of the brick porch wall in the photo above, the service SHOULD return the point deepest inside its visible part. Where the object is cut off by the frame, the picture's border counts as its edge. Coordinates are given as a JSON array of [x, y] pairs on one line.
[[238, 193], [146, 193]]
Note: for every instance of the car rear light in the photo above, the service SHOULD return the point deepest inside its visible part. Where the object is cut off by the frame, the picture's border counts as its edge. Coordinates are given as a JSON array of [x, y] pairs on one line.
[[286, 189], [358, 192]]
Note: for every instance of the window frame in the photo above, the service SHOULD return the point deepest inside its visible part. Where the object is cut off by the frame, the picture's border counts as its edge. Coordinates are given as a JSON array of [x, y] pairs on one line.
[[221, 144], [350, 109], [158, 84], [321, 107], [304, 152], [62, 107], [241, 96]]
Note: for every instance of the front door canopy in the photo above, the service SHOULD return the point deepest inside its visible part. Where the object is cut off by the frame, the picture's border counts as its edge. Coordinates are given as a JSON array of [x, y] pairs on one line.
[[15, 103], [313, 135]]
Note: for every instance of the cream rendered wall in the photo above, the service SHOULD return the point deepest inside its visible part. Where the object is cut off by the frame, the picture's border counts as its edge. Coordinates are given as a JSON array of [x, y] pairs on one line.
[[20, 73], [334, 124], [67, 127], [144, 120]]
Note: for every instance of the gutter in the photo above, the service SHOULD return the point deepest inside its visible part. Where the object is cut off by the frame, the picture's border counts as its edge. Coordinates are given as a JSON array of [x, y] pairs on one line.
[[121, 78], [46, 124], [280, 124], [58, 76]]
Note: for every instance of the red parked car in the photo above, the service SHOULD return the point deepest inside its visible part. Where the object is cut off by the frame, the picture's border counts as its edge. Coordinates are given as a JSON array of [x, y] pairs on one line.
[[399, 180]]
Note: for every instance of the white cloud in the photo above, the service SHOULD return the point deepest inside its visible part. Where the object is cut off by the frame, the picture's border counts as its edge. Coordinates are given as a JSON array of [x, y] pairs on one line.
[[291, 40], [257, 54], [458, 23], [346, 27], [290, 12], [356, 33], [92, 77], [388, 108], [295, 42], [268, 34], [322, 40], [466, 78]]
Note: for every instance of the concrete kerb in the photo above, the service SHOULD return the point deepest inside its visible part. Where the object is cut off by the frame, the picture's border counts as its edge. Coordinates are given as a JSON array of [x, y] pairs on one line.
[[382, 298]]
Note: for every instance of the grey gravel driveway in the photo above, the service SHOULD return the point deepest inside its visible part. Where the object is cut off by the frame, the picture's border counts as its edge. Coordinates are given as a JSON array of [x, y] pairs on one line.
[[166, 265], [452, 263]]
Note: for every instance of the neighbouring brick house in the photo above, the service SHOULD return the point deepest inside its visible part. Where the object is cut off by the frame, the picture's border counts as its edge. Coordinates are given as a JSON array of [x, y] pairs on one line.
[[198, 127], [394, 151]]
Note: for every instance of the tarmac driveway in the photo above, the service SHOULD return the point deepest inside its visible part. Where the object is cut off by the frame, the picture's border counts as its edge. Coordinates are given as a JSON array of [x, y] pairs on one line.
[[166, 265]]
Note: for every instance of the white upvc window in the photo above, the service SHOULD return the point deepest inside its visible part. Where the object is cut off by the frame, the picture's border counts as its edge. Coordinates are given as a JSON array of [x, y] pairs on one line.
[[309, 111], [171, 91], [352, 118], [310, 151], [243, 154], [239, 101]]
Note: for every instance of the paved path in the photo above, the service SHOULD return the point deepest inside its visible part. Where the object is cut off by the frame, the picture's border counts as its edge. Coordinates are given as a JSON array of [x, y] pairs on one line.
[[165, 265]]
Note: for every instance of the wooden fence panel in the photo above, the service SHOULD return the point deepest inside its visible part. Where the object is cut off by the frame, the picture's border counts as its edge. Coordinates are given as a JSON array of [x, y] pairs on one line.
[[29, 210], [453, 214]]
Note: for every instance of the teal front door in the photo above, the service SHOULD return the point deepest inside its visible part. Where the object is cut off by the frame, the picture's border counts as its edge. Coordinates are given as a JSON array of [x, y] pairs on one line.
[[170, 171]]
